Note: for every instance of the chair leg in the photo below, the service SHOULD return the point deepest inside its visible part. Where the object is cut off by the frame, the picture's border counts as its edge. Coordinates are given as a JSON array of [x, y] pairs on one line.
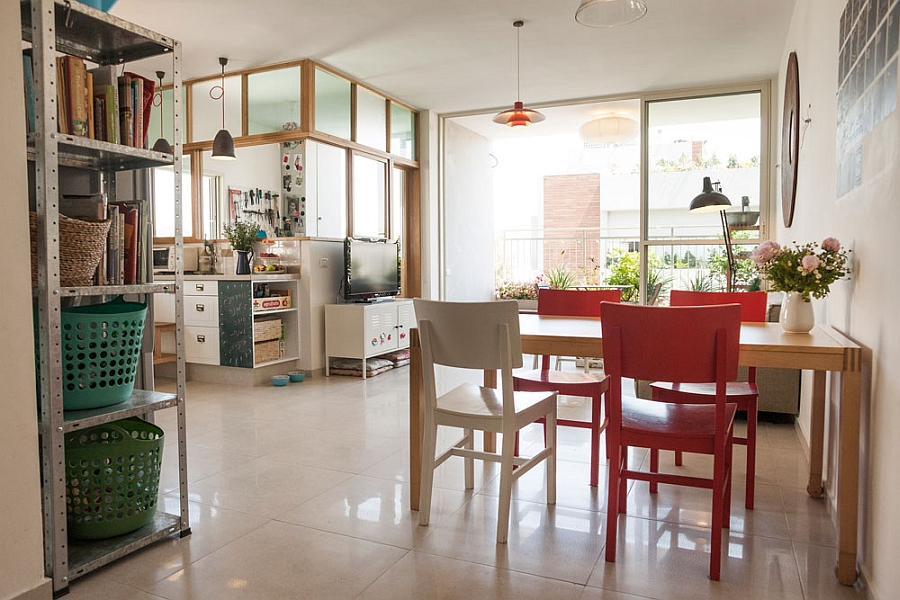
[[654, 468], [612, 509], [679, 458], [595, 440], [426, 481], [751, 454], [469, 462], [550, 442], [718, 510], [623, 482], [506, 473]]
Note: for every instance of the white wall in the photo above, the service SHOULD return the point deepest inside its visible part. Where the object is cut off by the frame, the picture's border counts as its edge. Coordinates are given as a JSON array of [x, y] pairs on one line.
[[21, 542], [468, 215], [864, 308], [319, 283]]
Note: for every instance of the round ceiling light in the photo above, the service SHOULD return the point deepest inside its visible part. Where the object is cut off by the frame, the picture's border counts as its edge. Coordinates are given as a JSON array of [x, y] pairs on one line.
[[609, 130]]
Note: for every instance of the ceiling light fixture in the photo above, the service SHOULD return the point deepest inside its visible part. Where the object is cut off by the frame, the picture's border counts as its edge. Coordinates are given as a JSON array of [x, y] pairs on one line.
[[223, 144], [609, 129], [610, 13], [518, 115], [162, 144]]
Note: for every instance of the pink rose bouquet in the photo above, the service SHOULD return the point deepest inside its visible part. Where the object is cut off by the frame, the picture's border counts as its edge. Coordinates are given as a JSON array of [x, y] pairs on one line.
[[805, 269]]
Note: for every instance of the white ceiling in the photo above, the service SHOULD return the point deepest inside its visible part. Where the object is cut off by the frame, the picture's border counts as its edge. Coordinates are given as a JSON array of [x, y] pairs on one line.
[[455, 56]]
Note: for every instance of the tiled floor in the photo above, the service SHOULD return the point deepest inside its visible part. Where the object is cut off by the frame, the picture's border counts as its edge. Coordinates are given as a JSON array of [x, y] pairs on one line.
[[302, 492]]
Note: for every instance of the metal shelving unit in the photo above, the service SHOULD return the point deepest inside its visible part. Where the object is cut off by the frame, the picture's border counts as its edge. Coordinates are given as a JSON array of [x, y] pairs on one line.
[[60, 26]]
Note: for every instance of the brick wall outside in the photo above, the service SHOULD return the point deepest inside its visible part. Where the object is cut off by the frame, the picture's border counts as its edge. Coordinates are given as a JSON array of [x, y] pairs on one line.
[[571, 202]]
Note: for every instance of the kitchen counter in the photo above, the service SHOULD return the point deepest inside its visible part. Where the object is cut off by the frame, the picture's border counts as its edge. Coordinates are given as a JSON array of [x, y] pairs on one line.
[[223, 277]]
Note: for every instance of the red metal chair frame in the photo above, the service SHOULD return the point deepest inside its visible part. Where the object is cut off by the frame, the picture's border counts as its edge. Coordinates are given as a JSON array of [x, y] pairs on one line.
[[691, 344], [572, 303], [745, 394]]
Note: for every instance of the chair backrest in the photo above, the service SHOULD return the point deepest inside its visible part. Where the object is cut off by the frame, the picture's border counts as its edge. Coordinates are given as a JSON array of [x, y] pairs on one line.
[[574, 303], [753, 304], [470, 335], [671, 343]]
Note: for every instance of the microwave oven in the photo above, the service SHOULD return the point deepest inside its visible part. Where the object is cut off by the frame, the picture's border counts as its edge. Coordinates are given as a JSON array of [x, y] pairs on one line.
[[164, 259]]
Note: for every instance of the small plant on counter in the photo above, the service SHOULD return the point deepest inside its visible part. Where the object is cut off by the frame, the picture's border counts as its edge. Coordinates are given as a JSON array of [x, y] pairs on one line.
[[241, 235]]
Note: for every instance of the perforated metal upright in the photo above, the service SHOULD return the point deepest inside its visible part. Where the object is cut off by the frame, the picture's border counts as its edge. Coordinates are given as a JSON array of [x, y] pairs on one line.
[[54, 27]]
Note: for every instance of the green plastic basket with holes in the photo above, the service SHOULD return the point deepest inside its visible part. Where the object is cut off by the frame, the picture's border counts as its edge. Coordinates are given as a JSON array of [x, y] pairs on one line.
[[101, 349], [112, 478]]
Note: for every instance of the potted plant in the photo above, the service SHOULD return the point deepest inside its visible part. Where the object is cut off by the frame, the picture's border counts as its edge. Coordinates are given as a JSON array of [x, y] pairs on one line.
[[241, 236], [525, 293]]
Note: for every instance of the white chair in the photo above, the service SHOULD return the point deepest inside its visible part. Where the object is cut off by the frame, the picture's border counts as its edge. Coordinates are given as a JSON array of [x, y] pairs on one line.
[[482, 336]]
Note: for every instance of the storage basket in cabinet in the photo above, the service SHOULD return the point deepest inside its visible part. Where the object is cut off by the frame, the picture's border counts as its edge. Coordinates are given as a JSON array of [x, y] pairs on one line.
[[266, 351], [81, 245], [266, 329], [112, 478]]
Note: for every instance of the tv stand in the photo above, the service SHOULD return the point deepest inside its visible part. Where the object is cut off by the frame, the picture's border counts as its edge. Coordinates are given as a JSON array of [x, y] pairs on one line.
[[367, 330]]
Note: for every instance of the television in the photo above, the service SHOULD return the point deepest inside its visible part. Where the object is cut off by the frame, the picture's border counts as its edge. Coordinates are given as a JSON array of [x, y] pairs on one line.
[[371, 269]]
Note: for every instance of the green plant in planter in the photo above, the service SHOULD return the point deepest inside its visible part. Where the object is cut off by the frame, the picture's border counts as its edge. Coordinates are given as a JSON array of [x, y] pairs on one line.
[[561, 278], [241, 235]]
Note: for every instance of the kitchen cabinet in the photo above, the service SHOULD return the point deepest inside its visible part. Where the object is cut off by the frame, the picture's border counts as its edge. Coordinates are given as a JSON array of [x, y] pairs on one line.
[[322, 193], [367, 330], [52, 27]]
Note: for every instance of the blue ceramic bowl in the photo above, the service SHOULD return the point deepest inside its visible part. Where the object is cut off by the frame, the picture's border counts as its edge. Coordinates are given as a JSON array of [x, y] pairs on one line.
[[297, 376], [280, 380]]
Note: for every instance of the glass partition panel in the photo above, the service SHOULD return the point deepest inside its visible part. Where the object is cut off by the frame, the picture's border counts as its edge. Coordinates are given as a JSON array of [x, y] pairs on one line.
[[248, 189], [273, 100], [371, 119], [398, 199], [403, 131], [153, 131], [164, 201], [206, 113], [369, 197], [332, 104], [689, 139]]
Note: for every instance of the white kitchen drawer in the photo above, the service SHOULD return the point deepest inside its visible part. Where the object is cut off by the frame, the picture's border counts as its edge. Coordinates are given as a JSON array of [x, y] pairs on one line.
[[201, 310], [201, 288], [201, 344]]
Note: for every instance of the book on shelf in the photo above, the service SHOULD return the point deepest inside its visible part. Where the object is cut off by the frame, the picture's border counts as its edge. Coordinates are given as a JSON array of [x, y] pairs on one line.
[[106, 86], [112, 246], [89, 102], [126, 114], [62, 115], [142, 105], [135, 240], [76, 103], [87, 207], [28, 74]]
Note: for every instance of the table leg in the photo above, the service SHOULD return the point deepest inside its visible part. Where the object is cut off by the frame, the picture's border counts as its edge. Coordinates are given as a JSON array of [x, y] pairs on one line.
[[848, 477], [817, 436], [490, 438], [416, 418]]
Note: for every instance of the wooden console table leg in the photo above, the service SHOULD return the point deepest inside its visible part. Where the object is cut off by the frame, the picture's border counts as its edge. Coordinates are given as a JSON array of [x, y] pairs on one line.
[[817, 436], [416, 418], [848, 477]]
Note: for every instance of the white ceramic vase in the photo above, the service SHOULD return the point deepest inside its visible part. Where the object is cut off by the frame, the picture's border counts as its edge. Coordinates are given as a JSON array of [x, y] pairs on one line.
[[796, 314]]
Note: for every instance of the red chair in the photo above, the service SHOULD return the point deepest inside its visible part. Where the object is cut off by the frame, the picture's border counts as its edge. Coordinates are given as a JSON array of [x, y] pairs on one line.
[[572, 303], [690, 344], [745, 394]]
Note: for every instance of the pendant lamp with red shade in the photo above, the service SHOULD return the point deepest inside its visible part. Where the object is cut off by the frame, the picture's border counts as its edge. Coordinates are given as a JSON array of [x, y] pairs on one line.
[[518, 115]]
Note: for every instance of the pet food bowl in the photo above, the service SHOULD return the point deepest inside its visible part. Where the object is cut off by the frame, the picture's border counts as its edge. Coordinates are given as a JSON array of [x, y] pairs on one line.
[[280, 380], [297, 376]]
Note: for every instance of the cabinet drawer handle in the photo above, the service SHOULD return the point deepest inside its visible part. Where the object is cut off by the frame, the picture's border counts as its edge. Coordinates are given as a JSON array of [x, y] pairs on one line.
[[201, 338], [200, 308], [199, 287]]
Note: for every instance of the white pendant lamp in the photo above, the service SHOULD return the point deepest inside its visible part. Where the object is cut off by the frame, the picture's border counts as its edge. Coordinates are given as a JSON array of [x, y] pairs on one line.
[[609, 129], [610, 13], [518, 115], [223, 144]]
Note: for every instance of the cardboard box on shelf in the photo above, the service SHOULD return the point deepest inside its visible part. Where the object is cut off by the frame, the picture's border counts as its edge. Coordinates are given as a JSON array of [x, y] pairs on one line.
[[279, 300]]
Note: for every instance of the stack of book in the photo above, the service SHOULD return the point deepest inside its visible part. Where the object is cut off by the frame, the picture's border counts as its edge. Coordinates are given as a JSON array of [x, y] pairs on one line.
[[96, 103]]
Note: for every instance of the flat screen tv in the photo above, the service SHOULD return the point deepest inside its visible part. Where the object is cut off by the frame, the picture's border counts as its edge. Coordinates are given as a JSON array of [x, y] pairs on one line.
[[371, 269]]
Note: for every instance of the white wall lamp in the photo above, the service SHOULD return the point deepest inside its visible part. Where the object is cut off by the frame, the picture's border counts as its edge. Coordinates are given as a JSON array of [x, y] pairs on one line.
[[610, 13], [609, 129], [223, 144]]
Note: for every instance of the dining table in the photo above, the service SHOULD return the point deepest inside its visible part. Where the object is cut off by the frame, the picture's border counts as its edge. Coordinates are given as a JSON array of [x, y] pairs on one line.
[[823, 350]]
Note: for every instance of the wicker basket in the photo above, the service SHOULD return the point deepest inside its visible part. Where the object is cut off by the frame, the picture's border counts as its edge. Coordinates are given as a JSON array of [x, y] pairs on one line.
[[264, 330], [266, 351], [81, 245]]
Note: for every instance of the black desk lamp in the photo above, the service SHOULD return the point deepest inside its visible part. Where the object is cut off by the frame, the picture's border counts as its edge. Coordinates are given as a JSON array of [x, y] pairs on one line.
[[709, 200]]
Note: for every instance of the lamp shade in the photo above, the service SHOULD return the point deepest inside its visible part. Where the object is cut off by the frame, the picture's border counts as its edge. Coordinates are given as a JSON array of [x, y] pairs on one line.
[[223, 146], [609, 130], [518, 116], [162, 145], [610, 13], [709, 200]]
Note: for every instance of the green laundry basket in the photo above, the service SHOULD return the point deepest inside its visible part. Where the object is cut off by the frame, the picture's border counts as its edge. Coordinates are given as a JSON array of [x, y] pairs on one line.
[[112, 478], [101, 348]]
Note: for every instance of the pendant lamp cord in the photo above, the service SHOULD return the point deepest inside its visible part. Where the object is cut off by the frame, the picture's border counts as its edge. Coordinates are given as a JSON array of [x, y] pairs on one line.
[[159, 75], [217, 92], [518, 25]]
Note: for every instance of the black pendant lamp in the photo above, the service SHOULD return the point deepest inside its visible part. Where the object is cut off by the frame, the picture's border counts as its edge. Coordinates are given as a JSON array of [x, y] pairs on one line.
[[518, 115], [162, 144], [223, 144]]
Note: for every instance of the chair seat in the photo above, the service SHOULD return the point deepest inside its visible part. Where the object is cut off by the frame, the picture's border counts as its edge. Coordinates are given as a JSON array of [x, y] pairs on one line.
[[690, 427], [737, 391], [569, 383], [469, 401]]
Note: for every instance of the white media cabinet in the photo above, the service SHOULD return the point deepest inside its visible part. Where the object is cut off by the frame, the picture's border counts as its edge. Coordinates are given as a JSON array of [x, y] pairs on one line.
[[366, 330]]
